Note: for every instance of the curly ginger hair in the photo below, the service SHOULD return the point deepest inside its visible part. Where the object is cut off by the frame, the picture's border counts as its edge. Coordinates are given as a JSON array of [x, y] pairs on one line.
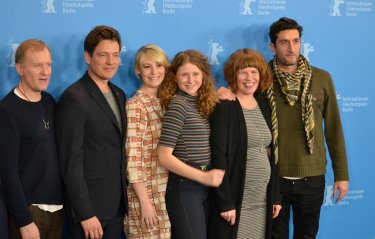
[[206, 97]]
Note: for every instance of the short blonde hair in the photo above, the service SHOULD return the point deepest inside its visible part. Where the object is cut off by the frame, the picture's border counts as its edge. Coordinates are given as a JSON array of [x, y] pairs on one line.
[[32, 44], [154, 52]]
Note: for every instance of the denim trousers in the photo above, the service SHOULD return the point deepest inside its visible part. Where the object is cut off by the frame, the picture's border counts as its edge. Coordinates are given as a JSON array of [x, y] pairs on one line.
[[187, 205], [305, 197]]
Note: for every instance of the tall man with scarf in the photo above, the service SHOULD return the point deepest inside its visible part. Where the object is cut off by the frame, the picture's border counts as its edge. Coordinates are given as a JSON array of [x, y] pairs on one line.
[[304, 114]]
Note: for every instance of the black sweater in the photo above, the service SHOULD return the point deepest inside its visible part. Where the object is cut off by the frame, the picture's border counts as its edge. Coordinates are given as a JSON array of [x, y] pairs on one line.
[[29, 167]]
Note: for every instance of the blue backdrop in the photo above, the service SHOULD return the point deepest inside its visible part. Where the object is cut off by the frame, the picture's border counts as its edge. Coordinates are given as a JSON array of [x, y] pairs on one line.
[[338, 36]]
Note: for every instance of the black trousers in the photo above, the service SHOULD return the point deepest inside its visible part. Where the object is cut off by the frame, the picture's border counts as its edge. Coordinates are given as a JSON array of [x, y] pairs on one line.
[[113, 229], [305, 197]]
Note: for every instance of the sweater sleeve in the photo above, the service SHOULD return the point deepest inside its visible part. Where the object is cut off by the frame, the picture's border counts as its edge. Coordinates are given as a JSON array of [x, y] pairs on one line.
[[10, 147], [172, 123], [334, 134], [136, 127], [219, 123]]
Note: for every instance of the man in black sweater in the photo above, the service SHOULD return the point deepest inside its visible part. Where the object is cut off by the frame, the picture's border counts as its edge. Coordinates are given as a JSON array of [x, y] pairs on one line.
[[28, 163]]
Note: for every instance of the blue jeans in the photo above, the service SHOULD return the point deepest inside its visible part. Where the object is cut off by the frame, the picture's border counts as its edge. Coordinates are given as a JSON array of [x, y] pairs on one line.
[[305, 197], [187, 205]]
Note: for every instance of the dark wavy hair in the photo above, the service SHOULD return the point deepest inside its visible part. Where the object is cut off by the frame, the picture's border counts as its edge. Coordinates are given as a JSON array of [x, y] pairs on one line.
[[282, 24], [98, 34]]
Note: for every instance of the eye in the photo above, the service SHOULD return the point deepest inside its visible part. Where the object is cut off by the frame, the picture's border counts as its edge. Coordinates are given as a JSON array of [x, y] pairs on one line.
[[242, 73], [284, 43], [254, 72]]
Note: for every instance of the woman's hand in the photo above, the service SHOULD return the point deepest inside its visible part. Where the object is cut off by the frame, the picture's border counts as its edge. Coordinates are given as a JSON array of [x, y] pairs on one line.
[[213, 178], [276, 210], [229, 216], [149, 217]]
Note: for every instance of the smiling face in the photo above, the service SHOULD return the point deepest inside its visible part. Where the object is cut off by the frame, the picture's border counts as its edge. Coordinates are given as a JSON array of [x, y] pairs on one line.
[[104, 61], [35, 70], [151, 72], [189, 78], [287, 49], [247, 81]]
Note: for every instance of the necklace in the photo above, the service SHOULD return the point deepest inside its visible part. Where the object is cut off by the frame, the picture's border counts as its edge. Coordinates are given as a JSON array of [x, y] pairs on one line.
[[45, 121], [261, 145]]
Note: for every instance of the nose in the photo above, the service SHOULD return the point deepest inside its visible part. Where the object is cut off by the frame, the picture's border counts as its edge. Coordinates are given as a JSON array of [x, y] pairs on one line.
[[189, 78], [46, 69], [153, 70], [291, 47], [110, 59]]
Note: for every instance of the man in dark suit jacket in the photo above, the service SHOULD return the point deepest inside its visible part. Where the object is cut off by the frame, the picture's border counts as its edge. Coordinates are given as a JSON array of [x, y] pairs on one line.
[[91, 125]]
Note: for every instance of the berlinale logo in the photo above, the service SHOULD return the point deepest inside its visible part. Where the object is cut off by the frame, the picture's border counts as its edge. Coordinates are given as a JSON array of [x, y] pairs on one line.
[[12, 52], [307, 48], [214, 49], [48, 6], [328, 198], [246, 7], [149, 7], [335, 8]]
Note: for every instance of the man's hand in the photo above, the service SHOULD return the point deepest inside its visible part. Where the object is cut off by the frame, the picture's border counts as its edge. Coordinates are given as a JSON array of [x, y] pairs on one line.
[[92, 228], [30, 231], [341, 186]]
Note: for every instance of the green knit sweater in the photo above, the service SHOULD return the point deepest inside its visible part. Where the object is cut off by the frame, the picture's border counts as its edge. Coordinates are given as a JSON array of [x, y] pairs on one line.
[[294, 160]]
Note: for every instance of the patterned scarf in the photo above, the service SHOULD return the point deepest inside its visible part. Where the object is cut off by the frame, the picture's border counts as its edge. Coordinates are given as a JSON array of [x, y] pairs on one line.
[[291, 88]]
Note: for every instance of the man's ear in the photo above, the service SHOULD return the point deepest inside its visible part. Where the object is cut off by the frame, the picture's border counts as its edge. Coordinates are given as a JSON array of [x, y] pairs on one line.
[[87, 58], [19, 69], [273, 48]]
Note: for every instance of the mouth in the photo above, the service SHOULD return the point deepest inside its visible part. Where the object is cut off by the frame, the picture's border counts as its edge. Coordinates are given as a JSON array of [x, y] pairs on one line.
[[154, 78], [110, 69], [44, 80], [249, 84], [190, 86]]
